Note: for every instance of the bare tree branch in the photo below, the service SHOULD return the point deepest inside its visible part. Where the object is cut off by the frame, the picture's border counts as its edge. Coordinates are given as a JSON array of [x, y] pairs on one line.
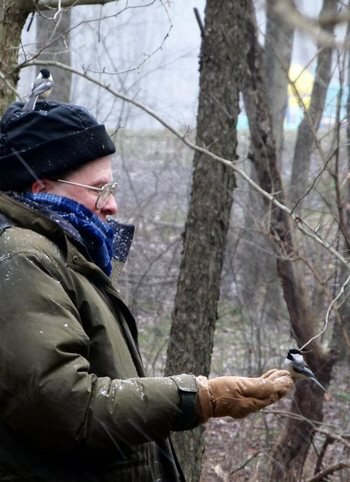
[[318, 426], [328, 471], [245, 463], [9, 86], [46, 4], [290, 14], [327, 442], [302, 225], [328, 19], [199, 21]]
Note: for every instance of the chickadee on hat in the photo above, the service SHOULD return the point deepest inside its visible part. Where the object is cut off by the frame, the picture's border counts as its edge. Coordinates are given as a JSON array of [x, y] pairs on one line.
[[48, 142]]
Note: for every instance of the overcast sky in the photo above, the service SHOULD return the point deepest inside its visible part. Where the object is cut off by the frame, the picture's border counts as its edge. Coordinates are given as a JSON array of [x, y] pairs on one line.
[[149, 52], [152, 52]]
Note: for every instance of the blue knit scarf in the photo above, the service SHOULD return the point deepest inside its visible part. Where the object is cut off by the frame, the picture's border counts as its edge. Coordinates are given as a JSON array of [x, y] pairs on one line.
[[82, 224]]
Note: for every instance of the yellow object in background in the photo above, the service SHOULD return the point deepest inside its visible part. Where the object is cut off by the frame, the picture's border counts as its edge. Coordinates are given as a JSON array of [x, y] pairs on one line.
[[303, 82]]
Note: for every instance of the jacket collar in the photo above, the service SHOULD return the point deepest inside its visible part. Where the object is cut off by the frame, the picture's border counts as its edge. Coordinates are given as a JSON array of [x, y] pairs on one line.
[[16, 213]]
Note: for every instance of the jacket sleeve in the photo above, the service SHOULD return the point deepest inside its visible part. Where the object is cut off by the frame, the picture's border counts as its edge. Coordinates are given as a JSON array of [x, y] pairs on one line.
[[47, 391]]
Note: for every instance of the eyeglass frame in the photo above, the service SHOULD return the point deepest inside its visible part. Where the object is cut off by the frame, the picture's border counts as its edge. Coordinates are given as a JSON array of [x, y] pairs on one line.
[[110, 186]]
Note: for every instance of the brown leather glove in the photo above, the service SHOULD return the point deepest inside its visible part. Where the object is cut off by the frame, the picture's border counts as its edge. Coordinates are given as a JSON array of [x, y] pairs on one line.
[[238, 396]]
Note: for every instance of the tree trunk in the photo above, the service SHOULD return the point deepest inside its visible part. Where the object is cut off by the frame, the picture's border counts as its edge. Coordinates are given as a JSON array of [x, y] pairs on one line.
[[278, 53], [289, 453], [195, 309], [312, 117], [13, 15], [341, 334], [259, 270], [260, 288], [53, 41]]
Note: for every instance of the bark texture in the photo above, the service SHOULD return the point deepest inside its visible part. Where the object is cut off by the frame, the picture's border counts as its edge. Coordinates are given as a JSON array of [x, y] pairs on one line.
[[13, 15], [198, 288], [286, 461], [312, 117], [264, 302], [341, 335]]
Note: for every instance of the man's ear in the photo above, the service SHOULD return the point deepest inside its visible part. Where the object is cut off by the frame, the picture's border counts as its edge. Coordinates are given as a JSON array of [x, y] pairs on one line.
[[40, 185]]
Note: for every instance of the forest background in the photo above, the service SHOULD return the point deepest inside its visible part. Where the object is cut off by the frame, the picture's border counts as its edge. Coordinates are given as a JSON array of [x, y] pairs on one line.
[[230, 119]]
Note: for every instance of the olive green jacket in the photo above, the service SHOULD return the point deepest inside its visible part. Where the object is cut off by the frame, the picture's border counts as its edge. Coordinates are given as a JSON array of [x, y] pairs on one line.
[[74, 403]]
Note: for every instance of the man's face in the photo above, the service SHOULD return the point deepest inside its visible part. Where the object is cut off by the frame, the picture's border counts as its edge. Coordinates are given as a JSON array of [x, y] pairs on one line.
[[96, 173]]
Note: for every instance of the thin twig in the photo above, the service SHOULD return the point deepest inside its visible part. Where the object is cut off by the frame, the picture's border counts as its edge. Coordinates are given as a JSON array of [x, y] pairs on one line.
[[9, 86], [245, 463], [341, 291], [199, 21], [317, 426], [46, 4], [59, 9], [302, 225], [290, 14], [327, 441], [328, 471]]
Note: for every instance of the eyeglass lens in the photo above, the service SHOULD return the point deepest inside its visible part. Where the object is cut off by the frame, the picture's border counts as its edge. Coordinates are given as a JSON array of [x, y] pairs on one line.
[[102, 198]]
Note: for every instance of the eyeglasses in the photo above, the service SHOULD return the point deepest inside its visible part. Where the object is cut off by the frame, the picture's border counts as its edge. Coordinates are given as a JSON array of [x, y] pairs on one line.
[[104, 192]]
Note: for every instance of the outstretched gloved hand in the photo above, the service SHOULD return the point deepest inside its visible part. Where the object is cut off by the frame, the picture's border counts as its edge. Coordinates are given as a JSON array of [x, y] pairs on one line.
[[238, 396]]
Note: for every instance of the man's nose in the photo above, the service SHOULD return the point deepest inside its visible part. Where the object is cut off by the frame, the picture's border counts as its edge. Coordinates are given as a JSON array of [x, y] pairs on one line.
[[111, 207]]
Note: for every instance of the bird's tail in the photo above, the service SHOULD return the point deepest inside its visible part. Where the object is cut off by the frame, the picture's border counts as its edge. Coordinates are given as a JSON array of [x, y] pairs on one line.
[[319, 384], [30, 104]]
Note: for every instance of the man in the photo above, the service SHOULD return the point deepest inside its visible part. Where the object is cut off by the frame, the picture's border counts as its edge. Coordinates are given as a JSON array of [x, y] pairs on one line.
[[75, 404]]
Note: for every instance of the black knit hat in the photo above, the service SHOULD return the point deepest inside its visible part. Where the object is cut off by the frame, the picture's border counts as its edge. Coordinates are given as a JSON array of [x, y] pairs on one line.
[[49, 141]]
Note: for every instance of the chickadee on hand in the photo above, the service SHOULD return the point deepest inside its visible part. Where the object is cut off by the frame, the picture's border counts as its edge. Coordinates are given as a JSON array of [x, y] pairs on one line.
[[297, 367], [41, 88]]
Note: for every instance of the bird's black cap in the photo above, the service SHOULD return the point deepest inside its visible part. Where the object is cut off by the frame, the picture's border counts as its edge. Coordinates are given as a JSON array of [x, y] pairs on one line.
[[293, 351], [45, 73]]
